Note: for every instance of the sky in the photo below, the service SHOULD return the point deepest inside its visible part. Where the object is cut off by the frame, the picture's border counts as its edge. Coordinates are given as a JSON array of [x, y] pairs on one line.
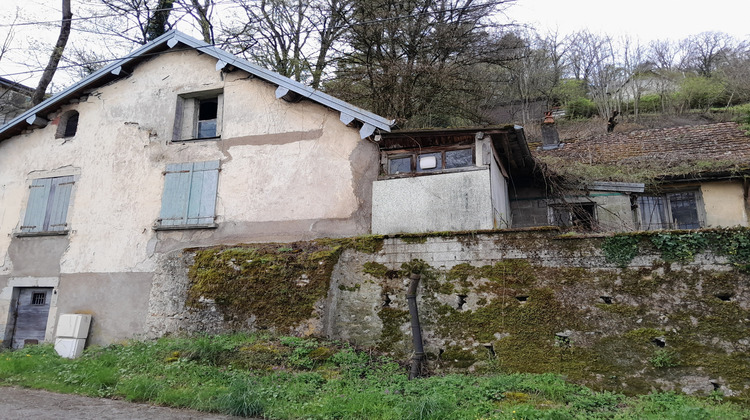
[[644, 20]]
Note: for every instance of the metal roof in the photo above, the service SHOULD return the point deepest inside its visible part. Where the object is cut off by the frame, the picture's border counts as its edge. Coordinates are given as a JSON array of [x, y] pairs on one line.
[[287, 88]]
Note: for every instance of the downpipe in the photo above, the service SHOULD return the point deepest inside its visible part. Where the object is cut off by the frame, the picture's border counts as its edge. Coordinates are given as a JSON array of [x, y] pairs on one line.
[[416, 329]]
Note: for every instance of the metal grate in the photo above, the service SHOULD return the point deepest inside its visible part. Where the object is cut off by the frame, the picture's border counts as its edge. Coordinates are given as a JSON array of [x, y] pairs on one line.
[[38, 298]]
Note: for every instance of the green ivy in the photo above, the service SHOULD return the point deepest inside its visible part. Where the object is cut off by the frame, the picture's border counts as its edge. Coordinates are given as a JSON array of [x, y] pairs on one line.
[[679, 246], [735, 244], [620, 249]]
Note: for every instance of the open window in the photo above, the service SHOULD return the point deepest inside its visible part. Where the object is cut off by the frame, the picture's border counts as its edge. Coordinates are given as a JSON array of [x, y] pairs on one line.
[[68, 125], [198, 116], [579, 216], [47, 209], [677, 210], [189, 199]]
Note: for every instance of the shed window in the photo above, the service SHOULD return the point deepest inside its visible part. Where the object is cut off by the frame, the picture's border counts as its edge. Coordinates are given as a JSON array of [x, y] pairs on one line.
[[47, 210], [429, 160], [581, 216], [189, 198]]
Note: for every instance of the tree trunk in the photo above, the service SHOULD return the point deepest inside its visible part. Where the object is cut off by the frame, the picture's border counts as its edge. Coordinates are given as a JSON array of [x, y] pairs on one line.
[[56, 55]]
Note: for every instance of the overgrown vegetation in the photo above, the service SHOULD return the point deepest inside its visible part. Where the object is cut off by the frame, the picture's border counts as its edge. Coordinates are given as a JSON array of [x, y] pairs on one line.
[[682, 246], [291, 378], [285, 280]]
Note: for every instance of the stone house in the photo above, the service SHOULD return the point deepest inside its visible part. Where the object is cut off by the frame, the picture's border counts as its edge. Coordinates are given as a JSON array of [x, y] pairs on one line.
[[14, 99], [671, 178], [176, 145]]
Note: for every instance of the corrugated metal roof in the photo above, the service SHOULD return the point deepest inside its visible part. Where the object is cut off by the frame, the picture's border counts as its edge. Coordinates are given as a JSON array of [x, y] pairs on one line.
[[368, 120]]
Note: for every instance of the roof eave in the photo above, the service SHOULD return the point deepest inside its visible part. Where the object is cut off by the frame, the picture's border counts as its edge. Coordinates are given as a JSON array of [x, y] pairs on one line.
[[369, 121]]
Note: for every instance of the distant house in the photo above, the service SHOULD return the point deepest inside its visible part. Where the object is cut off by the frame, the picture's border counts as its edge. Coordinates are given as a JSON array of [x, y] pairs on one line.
[[448, 179], [14, 99], [179, 144], [673, 178]]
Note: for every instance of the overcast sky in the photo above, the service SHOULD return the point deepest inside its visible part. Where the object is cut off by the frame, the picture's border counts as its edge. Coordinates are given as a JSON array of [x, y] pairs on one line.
[[645, 20]]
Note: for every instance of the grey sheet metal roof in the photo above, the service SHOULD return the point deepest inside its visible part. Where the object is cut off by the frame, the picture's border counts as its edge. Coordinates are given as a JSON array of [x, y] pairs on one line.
[[121, 67]]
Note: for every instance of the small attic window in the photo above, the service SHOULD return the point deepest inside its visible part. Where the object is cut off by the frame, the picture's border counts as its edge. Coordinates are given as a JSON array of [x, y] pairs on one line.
[[68, 125]]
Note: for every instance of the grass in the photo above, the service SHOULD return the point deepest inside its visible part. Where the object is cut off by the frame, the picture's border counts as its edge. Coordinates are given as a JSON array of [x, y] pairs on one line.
[[259, 375]]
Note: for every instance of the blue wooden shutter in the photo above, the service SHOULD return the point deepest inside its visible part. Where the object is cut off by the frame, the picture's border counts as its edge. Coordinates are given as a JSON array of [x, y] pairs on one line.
[[36, 209], [57, 206], [176, 194], [189, 194], [202, 201]]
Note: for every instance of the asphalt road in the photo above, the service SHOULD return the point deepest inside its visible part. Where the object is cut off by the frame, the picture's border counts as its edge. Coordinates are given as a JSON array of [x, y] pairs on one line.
[[18, 403]]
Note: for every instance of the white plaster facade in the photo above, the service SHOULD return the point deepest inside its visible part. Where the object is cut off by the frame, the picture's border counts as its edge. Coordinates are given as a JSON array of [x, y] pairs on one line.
[[288, 171]]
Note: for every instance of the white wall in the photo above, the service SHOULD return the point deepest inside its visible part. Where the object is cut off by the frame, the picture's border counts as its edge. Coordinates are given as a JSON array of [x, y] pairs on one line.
[[442, 202]]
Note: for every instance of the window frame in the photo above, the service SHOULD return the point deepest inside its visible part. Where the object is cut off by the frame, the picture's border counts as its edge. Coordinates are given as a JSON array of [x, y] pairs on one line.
[[572, 214], [414, 155], [183, 182], [66, 119], [48, 206], [668, 215], [187, 111]]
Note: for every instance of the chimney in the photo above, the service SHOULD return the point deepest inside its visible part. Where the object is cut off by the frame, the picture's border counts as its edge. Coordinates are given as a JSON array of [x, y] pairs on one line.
[[550, 138]]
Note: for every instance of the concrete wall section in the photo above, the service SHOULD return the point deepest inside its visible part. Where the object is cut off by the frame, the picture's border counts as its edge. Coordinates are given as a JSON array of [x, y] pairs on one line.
[[725, 204], [117, 303], [444, 202], [500, 203]]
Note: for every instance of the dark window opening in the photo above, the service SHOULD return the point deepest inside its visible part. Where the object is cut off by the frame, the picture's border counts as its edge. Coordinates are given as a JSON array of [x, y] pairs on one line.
[[581, 216], [38, 298], [71, 125], [207, 112]]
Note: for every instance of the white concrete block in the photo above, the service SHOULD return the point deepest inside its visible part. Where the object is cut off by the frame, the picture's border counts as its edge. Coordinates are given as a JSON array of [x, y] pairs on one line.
[[73, 326], [69, 348]]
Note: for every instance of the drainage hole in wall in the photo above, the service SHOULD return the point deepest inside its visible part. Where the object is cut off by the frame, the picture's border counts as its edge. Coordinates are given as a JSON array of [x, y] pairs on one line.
[[461, 301], [562, 340], [715, 384], [606, 299], [522, 299], [491, 349], [726, 297], [386, 301], [659, 341]]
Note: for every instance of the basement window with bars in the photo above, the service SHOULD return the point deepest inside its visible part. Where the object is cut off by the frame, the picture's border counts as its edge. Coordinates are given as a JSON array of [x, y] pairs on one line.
[[47, 209], [189, 199], [677, 210]]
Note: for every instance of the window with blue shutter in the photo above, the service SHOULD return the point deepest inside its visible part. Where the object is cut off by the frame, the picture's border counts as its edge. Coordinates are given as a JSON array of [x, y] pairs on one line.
[[189, 198], [47, 210]]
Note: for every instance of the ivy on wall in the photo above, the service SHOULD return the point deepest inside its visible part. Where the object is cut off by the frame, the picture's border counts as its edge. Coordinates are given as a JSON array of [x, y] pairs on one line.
[[680, 246]]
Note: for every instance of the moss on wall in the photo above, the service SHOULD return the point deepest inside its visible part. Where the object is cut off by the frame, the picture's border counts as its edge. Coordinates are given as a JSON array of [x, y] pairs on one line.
[[277, 285], [627, 329]]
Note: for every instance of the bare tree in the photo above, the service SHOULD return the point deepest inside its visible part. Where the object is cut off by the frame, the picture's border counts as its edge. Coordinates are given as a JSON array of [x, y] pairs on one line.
[[134, 21], [416, 60], [57, 52], [706, 51], [202, 13], [295, 38]]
